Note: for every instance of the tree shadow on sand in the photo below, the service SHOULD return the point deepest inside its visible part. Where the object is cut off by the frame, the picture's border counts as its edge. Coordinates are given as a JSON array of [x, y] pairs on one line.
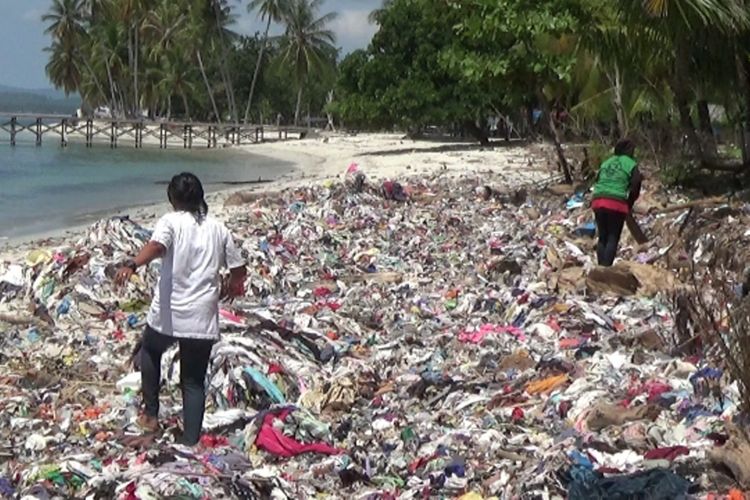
[[447, 148]]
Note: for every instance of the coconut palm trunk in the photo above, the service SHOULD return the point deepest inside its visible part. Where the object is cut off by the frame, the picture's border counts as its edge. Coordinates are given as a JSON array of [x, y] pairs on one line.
[[682, 98], [257, 71], [298, 108], [708, 141], [208, 86], [556, 138], [112, 93], [185, 105], [743, 71], [622, 119], [97, 83], [223, 50], [136, 97]]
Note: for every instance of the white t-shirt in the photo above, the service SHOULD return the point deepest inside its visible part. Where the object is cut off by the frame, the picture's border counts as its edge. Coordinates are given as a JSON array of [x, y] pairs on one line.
[[186, 298]]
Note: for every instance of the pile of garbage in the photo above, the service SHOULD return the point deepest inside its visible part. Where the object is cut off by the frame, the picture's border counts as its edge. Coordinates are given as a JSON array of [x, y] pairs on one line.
[[446, 342]]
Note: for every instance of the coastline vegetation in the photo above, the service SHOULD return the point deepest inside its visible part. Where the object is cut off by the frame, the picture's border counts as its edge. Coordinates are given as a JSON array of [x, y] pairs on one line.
[[182, 58], [674, 74]]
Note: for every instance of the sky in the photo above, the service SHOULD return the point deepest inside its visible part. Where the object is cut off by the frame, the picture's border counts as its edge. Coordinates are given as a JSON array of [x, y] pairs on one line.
[[22, 38]]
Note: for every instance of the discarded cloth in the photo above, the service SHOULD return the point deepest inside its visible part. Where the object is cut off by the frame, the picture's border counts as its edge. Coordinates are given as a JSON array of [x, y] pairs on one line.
[[655, 484], [669, 453], [275, 442], [476, 336]]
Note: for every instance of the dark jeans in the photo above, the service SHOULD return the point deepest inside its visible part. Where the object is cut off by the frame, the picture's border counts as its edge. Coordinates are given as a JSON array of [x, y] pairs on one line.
[[609, 225], [194, 357]]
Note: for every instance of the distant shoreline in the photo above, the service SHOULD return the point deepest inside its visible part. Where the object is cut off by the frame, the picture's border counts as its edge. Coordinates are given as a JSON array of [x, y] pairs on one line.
[[379, 156]]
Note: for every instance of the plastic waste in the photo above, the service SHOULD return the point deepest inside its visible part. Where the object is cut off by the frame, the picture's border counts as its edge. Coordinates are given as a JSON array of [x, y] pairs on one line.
[[446, 347]]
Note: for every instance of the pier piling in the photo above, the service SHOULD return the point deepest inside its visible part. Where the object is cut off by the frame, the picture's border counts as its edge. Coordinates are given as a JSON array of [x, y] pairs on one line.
[[112, 130]]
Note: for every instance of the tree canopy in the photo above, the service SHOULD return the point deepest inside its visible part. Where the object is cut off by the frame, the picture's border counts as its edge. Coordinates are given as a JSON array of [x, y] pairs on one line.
[[181, 58], [656, 69], [596, 68]]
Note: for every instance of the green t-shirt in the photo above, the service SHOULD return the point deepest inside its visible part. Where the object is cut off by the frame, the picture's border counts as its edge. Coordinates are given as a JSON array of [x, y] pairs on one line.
[[614, 178]]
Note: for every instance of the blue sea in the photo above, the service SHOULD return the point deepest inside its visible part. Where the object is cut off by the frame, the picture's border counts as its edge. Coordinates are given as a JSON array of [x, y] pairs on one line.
[[48, 188]]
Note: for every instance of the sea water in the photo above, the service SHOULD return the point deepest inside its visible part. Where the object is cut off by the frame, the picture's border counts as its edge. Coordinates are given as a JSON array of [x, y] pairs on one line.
[[49, 187]]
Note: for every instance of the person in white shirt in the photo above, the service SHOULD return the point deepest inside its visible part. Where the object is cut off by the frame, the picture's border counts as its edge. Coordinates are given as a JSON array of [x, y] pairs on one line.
[[194, 248]]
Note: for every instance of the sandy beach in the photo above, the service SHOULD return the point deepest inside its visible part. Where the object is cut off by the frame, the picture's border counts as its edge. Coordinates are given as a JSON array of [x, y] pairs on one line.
[[379, 156]]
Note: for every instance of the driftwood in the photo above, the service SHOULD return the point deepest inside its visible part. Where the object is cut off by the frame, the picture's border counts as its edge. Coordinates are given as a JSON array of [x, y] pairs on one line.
[[702, 203], [735, 455], [635, 229], [21, 319]]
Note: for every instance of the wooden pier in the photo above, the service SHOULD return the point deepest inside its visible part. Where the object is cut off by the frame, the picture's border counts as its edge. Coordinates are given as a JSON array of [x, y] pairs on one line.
[[132, 132]]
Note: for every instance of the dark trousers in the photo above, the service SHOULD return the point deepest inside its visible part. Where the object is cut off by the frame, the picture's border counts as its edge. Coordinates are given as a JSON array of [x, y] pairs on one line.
[[194, 357], [609, 225]]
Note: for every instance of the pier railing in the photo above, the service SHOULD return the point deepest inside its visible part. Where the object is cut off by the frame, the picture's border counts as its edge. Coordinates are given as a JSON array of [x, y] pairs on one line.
[[164, 133]]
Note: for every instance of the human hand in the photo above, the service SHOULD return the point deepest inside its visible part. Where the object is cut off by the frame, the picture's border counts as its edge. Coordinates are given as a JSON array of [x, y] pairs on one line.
[[123, 276]]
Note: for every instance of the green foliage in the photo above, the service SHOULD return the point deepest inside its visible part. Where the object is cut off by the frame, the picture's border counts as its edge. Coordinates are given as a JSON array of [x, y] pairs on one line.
[[308, 44], [598, 153], [600, 68], [451, 61], [359, 111], [403, 78], [675, 174], [526, 48], [181, 58]]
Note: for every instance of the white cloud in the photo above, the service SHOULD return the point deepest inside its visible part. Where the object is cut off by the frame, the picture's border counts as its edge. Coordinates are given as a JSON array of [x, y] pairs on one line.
[[353, 29]]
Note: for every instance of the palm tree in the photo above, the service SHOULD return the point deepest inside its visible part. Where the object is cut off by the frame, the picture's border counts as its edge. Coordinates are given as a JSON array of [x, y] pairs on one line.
[[270, 11], [375, 15], [66, 26], [132, 13], [107, 51], [197, 35], [65, 18], [164, 26], [669, 25], [93, 8], [221, 36], [63, 67], [306, 43], [175, 76]]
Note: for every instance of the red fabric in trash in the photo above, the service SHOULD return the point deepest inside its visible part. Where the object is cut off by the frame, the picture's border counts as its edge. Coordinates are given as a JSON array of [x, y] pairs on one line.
[[666, 453], [321, 292], [209, 441], [275, 368], [421, 462], [274, 441], [655, 389], [517, 414]]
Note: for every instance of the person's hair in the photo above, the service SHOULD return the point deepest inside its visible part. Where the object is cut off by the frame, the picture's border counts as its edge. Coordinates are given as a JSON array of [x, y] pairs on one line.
[[625, 147], [185, 192]]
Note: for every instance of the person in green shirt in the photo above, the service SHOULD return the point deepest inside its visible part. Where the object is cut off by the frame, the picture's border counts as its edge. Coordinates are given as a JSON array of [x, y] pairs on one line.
[[617, 188]]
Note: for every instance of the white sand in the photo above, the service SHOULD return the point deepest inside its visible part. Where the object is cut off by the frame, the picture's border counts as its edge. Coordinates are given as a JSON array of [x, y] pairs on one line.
[[392, 156], [379, 156]]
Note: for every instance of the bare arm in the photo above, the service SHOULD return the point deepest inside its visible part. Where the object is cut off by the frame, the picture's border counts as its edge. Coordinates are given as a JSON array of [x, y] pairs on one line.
[[636, 181], [150, 252]]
